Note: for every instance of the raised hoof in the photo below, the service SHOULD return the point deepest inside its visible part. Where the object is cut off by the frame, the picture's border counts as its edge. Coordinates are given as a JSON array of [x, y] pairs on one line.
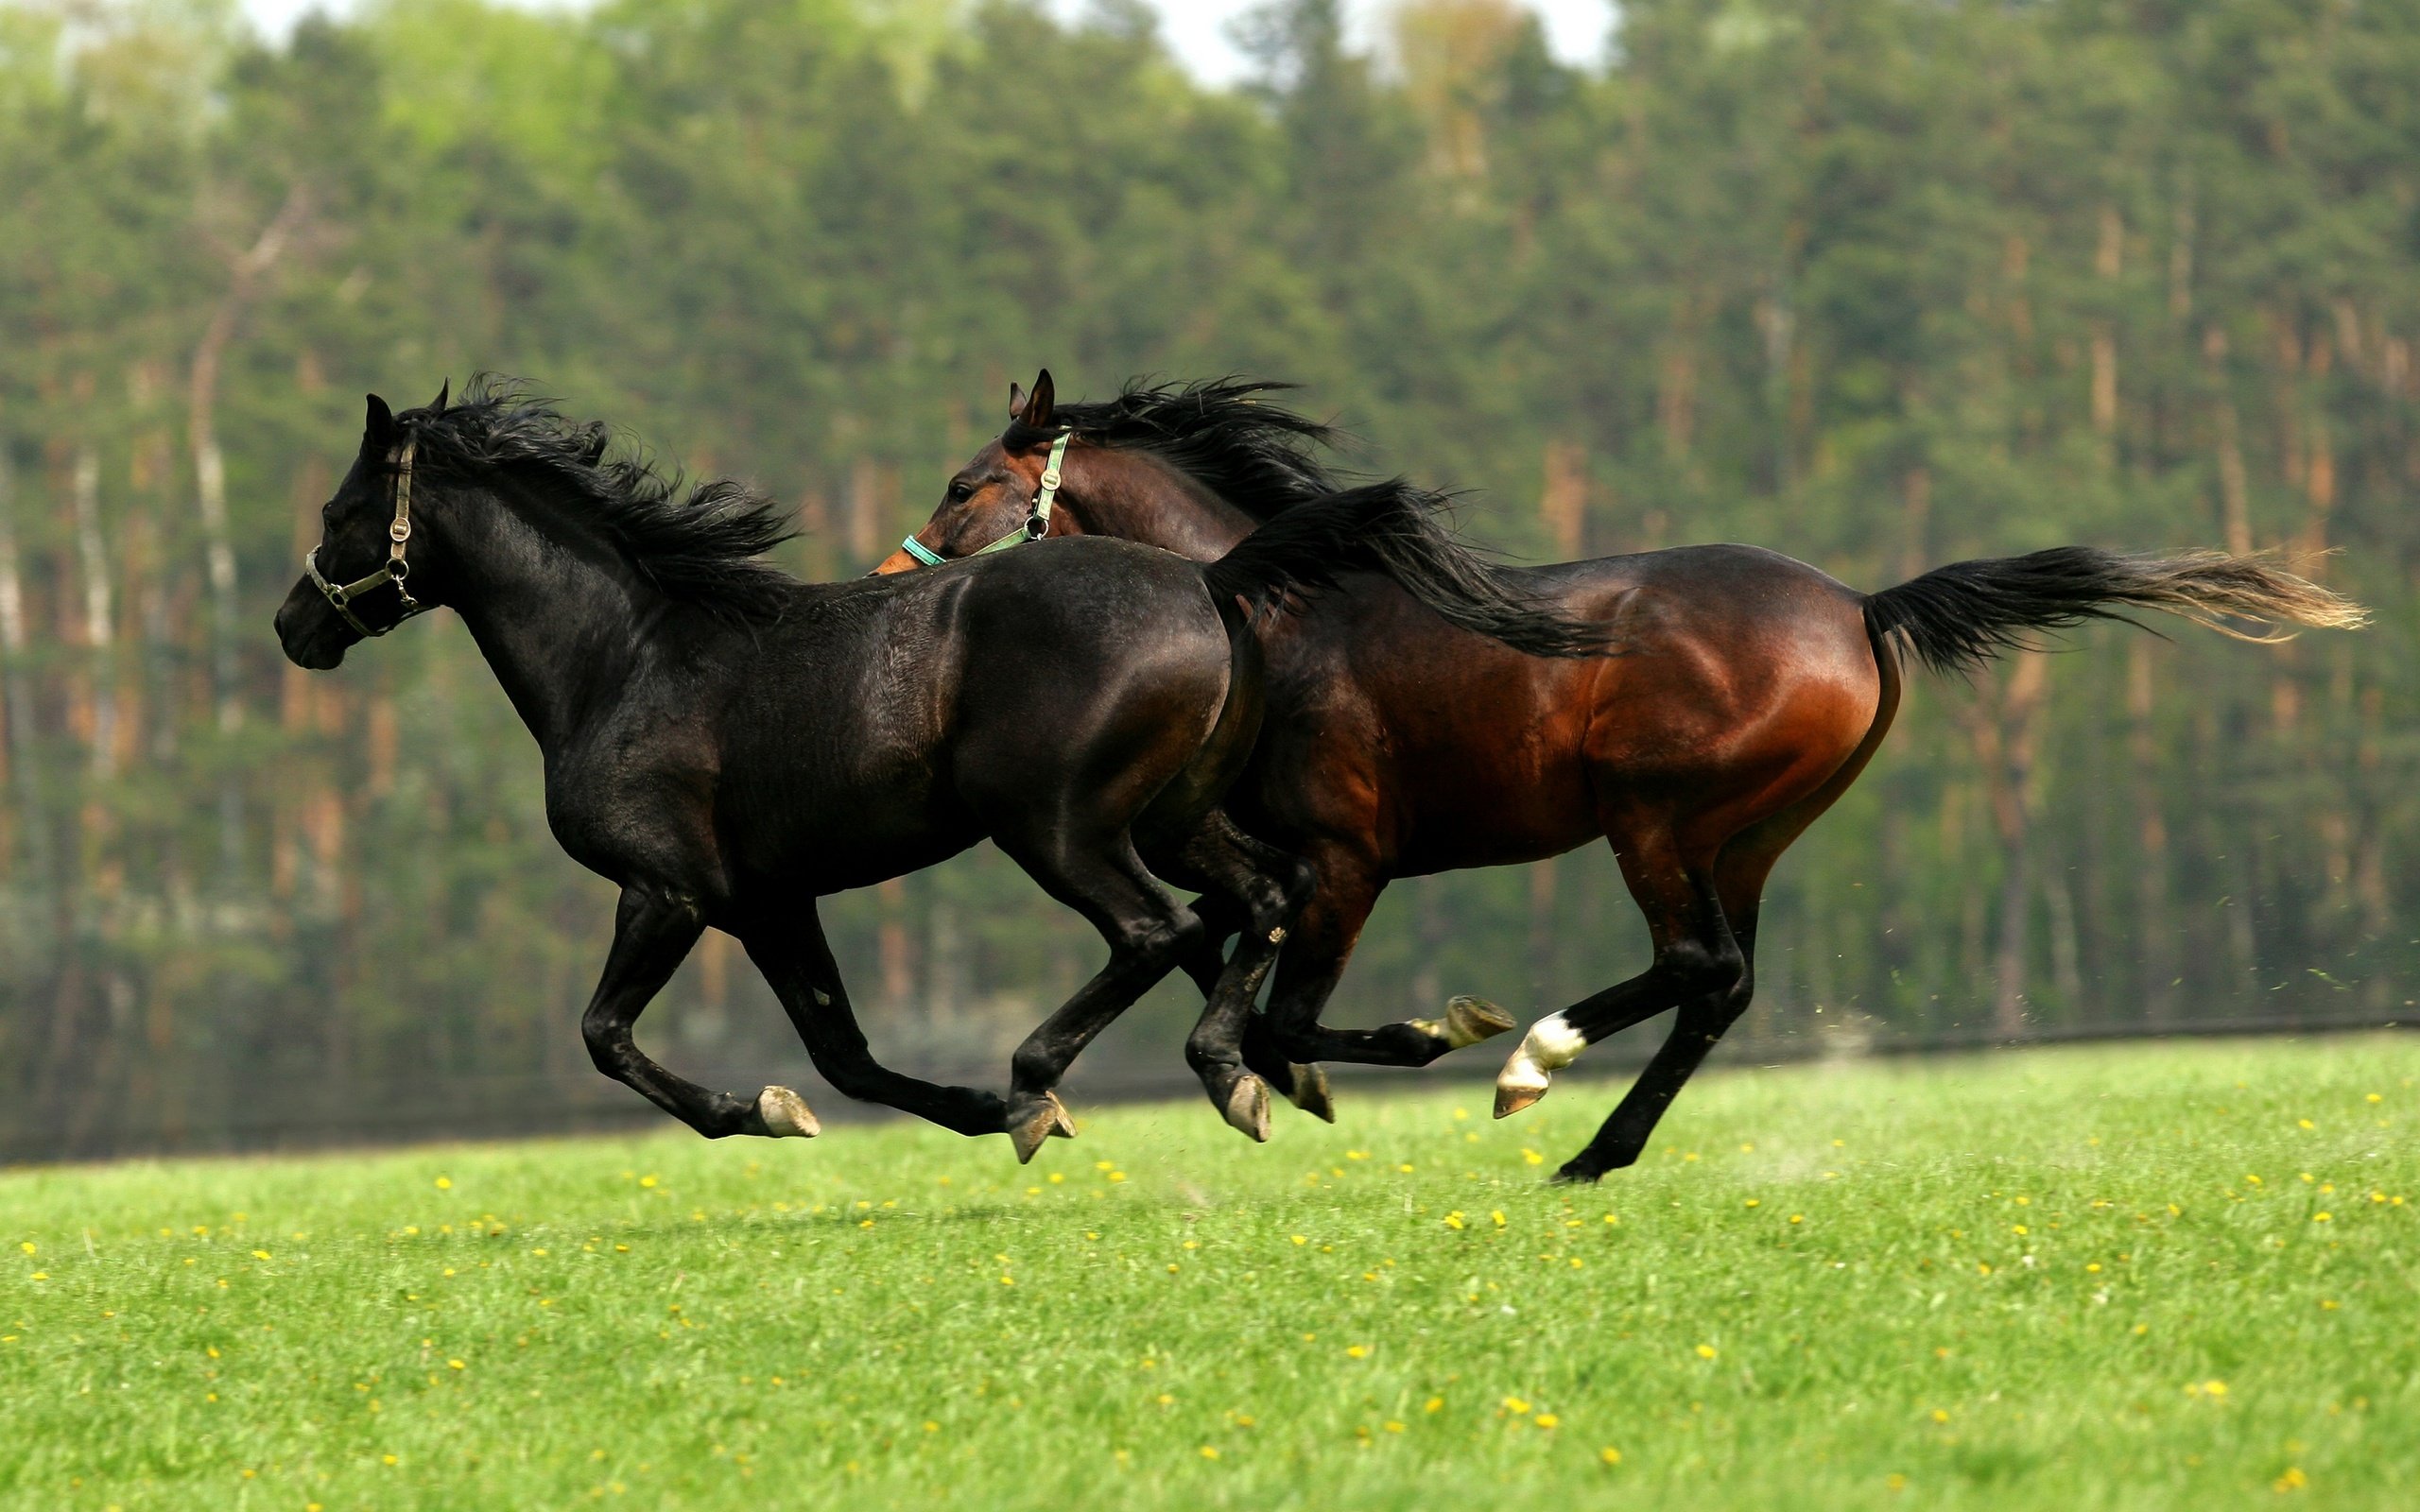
[[1310, 1093], [1045, 1117], [786, 1115], [1247, 1108], [1063, 1125], [1467, 1021]]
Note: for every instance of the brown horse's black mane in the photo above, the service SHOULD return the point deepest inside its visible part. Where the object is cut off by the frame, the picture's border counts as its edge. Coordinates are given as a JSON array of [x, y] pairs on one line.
[[696, 544], [1221, 432]]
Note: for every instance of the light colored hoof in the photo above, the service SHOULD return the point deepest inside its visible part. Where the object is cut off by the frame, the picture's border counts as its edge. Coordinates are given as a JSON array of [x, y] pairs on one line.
[[1248, 1108], [1310, 1093], [1521, 1084], [1467, 1021], [1045, 1121], [1551, 1044], [787, 1115]]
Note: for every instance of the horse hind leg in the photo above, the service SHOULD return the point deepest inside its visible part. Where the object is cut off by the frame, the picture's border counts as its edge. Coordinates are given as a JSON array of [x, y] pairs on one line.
[[1696, 956], [1270, 886], [1746, 860], [1149, 933], [1224, 918]]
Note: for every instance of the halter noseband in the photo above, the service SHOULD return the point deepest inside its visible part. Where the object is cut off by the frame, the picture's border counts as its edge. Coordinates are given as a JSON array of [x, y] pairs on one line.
[[1037, 521], [396, 569]]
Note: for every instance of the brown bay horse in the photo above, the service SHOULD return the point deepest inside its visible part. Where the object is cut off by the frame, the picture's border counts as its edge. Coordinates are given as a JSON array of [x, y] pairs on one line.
[[1746, 692]]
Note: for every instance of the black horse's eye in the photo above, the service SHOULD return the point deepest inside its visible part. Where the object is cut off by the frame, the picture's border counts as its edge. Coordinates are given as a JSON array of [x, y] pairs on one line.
[[959, 493]]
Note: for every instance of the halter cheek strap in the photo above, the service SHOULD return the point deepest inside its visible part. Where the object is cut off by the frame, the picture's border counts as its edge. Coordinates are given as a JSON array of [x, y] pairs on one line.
[[1037, 521], [396, 571]]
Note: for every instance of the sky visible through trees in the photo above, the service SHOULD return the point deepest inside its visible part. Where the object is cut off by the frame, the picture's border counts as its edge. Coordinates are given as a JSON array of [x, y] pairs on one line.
[[1878, 283]]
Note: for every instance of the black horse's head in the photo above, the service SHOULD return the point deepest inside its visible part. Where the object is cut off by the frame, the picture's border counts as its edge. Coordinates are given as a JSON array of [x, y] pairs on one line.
[[371, 570]]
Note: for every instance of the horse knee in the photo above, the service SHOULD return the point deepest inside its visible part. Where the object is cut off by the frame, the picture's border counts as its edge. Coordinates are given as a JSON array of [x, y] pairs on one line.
[[609, 1042]]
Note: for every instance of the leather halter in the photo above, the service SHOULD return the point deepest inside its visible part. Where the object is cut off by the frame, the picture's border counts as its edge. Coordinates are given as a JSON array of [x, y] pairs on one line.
[[1037, 521], [396, 569]]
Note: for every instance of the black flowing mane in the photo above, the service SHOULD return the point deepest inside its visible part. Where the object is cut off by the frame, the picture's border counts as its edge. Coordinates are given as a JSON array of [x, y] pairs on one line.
[[1259, 456], [699, 545]]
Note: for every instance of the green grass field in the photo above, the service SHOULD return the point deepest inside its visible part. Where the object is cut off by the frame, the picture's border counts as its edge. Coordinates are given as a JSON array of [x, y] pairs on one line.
[[2147, 1277]]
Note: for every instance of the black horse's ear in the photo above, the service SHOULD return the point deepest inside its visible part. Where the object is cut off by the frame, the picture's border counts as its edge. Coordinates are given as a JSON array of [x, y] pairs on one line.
[[379, 423], [437, 405], [1036, 409]]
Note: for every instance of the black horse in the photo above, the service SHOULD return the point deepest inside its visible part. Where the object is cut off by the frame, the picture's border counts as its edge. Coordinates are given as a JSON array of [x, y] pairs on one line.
[[728, 744]]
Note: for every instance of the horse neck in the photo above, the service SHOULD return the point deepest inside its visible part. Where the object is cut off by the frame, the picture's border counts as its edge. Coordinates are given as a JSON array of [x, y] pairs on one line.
[[558, 611], [1135, 496]]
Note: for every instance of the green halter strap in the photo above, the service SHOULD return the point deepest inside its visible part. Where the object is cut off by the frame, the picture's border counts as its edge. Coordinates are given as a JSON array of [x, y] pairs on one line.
[[1037, 523]]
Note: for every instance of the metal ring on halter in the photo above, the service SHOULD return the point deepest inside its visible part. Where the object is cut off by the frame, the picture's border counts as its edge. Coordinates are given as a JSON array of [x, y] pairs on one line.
[[399, 533], [1037, 520]]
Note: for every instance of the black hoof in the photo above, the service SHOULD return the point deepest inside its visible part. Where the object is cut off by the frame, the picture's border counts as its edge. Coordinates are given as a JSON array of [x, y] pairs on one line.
[[1576, 1175]]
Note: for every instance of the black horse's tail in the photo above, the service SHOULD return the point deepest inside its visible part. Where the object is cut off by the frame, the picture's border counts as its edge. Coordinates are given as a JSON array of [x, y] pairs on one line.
[[1958, 617], [1402, 531]]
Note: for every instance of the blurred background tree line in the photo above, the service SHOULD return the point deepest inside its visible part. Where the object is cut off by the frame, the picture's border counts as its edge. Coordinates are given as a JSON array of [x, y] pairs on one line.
[[1879, 283]]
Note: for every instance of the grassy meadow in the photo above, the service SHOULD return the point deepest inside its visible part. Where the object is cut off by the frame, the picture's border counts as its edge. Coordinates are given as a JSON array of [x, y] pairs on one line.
[[2138, 1277]]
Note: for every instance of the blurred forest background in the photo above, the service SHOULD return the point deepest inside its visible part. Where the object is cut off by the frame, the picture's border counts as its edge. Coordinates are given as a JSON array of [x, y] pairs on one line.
[[1881, 284]]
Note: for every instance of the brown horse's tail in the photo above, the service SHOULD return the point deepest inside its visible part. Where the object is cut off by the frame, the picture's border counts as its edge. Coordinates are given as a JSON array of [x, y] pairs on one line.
[[1400, 531], [1958, 617]]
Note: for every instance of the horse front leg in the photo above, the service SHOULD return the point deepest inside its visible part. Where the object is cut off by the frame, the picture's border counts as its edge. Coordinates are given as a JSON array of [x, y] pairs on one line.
[[796, 960], [654, 928]]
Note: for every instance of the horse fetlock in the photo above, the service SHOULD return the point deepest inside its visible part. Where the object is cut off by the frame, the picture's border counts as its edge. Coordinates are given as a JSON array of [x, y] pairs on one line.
[[1551, 1044], [785, 1114]]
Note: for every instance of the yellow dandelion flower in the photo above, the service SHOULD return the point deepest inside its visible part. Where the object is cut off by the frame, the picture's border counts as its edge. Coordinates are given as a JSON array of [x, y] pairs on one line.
[[1208, 1453], [1610, 1454], [2375, 1098], [1939, 1414], [1896, 1481], [390, 1459], [27, 1246], [1358, 1351], [1548, 1419], [1752, 1202], [1499, 1216], [1433, 1404], [1517, 1407], [1798, 1217], [2306, 1122], [931, 1427], [2322, 1217], [1299, 1239], [1706, 1352], [1453, 1219], [2214, 1388]]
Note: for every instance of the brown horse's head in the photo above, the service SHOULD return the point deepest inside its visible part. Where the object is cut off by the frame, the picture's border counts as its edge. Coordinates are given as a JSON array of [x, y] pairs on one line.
[[991, 499]]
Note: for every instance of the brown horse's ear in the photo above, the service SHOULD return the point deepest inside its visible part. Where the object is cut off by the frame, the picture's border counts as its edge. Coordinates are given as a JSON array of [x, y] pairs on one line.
[[437, 405], [1036, 409], [1016, 398]]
